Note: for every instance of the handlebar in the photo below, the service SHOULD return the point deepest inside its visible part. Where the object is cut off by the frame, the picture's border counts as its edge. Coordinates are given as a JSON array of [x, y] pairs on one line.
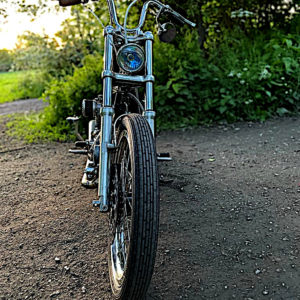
[[113, 14]]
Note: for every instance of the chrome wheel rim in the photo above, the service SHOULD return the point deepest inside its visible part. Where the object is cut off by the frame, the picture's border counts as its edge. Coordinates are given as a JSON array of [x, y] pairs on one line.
[[122, 212]]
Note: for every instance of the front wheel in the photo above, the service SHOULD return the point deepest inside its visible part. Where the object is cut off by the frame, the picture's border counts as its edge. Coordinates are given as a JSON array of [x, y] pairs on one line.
[[134, 215]]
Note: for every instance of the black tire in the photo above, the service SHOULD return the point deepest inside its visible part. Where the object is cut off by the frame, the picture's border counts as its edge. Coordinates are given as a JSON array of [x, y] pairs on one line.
[[136, 256]]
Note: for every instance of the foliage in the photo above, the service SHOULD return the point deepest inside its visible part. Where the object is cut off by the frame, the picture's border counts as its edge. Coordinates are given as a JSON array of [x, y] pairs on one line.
[[79, 36], [51, 59], [33, 128], [5, 60], [215, 17], [32, 85], [242, 63], [237, 82], [35, 52], [31, 7], [20, 85], [64, 100], [38, 55], [65, 96]]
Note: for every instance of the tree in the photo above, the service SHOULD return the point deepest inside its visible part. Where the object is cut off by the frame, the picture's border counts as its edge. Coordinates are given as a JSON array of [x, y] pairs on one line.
[[79, 36], [35, 52]]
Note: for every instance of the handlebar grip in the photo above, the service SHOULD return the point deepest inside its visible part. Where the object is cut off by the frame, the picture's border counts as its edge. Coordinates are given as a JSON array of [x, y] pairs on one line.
[[69, 2]]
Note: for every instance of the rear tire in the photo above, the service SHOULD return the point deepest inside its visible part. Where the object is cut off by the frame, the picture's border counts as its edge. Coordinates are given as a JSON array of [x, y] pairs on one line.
[[135, 210]]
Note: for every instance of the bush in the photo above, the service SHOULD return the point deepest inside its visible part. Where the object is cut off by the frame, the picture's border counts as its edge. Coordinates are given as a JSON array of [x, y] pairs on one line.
[[245, 78], [32, 85], [35, 127], [65, 96], [5, 60], [64, 100], [249, 77]]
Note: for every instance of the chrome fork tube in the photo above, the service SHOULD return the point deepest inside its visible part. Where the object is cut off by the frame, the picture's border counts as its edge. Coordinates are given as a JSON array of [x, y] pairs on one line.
[[107, 113], [149, 112]]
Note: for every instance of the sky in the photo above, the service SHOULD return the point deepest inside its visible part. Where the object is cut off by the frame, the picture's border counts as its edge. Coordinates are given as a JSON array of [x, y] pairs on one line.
[[17, 23]]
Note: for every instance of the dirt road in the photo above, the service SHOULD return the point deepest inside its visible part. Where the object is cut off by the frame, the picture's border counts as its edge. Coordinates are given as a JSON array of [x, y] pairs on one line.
[[21, 106], [230, 225]]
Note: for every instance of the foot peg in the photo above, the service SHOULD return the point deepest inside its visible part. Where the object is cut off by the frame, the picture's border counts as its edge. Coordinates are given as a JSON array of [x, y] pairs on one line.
[[164, 157], [80, 144], [81, 152]]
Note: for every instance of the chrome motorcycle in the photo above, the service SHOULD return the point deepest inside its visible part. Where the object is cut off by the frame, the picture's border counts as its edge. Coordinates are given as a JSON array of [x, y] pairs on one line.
[[121, 151]]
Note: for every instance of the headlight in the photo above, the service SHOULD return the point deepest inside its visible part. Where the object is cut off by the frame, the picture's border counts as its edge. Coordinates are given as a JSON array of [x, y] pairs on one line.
[[131, 58]]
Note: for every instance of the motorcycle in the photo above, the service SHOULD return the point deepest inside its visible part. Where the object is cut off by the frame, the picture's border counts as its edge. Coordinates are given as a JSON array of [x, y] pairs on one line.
[[121, 152]]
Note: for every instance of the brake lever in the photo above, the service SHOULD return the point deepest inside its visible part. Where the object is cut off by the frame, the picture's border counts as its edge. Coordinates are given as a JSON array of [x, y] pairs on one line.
[[178, 16]]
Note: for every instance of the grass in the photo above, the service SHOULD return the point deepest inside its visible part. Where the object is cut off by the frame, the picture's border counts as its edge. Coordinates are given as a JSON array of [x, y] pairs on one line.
[[9, 86], [34, 128], [19, 85]]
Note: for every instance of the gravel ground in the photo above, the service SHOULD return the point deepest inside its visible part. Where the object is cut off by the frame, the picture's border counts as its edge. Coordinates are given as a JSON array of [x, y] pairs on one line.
[[229, 227]]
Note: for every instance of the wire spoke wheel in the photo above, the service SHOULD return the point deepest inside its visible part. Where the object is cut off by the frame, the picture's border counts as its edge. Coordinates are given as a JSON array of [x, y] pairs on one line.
[[134, 210], [121, 239]]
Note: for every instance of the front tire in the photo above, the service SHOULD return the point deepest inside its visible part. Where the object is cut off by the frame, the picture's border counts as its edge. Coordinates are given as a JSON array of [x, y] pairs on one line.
[[135, 210]]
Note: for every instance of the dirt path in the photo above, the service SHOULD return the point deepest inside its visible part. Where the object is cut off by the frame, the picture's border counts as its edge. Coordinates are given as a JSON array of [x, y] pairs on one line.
[[230, 225], [21, 106]]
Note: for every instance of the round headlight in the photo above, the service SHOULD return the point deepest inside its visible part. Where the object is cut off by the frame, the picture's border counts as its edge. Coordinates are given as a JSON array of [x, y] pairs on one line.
[[131, 58]]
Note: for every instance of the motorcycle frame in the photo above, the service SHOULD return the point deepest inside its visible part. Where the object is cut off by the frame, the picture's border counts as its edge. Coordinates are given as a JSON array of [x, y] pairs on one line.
[[110, 78]]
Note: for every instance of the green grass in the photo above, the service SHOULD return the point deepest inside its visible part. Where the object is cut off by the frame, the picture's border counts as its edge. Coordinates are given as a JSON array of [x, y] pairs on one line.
[[34, 128], [9, 86], [20, 85]]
